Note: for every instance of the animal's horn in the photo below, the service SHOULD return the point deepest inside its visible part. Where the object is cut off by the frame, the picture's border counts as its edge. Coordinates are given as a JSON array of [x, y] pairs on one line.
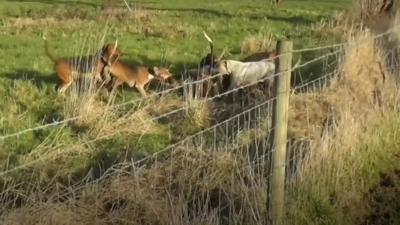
[[220, 56]]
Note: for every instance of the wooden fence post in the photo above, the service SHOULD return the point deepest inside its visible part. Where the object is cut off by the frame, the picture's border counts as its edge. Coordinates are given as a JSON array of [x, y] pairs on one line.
[[280, 123]]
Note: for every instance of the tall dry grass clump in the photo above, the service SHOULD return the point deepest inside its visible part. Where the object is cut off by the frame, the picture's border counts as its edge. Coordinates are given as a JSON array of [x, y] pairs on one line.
[[197, 113], [360, 85], [191, 187], [334, 176], [375, 14], [365, 9], [259, 43]]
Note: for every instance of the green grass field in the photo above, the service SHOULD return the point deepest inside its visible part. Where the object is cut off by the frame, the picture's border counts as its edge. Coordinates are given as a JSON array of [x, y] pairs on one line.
[[170, 28], [156, 33]]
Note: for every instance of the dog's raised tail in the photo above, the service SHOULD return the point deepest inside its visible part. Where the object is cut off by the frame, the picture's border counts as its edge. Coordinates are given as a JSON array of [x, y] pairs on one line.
[[46, 48], [207, 37], [209, 41]]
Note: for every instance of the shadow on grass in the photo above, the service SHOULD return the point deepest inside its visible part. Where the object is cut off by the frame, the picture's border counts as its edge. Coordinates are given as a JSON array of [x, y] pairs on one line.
[[216, 13], [59, 2], [84, 3], [37, 78], [210, 12], [296, 20]]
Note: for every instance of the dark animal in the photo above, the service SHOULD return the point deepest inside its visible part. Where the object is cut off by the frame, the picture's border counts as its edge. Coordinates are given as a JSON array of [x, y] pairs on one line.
[[210, 60], [255, 57]]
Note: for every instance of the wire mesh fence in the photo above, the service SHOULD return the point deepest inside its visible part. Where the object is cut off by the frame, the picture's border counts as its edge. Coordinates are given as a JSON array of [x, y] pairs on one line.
[[220, 173]]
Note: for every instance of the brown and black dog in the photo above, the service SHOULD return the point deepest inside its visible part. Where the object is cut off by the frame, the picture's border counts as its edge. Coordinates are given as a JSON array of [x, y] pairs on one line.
[[137, 77], [67, 67]]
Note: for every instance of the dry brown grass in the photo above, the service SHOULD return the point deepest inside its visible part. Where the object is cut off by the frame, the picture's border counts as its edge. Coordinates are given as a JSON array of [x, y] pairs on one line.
[[181, 190], [361, 98], [371, 8], [359, 87], [255, 44], [195, 117], [23, 22], [308, 115], [165, 104]]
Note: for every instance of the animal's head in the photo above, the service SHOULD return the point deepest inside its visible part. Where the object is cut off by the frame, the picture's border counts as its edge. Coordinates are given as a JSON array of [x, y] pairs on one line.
[[162, 73], [110, 52], [271, 55], [223, 67]]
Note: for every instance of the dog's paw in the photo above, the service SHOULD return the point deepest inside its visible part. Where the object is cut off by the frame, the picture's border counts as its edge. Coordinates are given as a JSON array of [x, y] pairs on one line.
[[98, 79]]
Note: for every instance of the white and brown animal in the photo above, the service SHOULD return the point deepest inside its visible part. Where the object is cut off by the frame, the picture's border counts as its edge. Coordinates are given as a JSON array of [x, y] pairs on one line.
[[94, 64], [244, 73], [137, 77]]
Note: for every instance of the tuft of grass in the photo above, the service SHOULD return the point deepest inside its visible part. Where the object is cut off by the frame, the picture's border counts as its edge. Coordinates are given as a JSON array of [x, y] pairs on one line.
[[197, 117], [259, 43]]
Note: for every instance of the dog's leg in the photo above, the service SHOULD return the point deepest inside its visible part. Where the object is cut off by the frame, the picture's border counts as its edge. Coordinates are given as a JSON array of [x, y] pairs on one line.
[[64, 87], [141, 91], [97, 78], [118, 83], [106, 74]]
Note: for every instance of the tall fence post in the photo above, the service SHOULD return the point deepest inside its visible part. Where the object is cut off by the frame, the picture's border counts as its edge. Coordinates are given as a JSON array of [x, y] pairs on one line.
[[280, 123]]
